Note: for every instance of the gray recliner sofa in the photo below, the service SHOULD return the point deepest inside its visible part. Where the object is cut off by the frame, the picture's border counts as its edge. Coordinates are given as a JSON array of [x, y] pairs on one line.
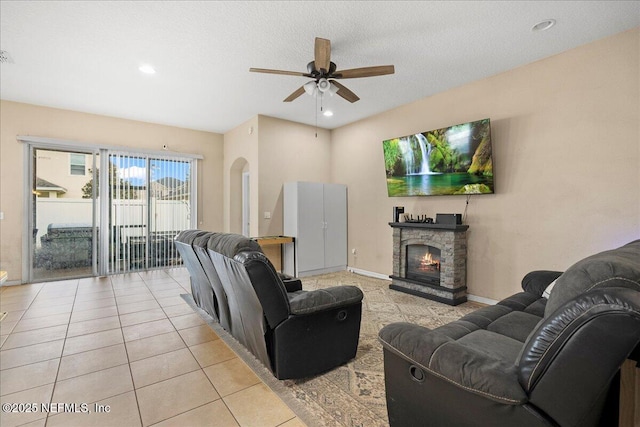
[[293, 332], [530, 360]]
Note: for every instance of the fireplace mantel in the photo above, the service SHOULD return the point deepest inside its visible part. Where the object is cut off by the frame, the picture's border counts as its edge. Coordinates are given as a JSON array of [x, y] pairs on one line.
[[451, 240], [452, 227]]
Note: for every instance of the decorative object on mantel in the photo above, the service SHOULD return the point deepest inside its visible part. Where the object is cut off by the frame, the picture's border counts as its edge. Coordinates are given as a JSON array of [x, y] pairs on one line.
[[397, 210], [420, 219], [449, 218]]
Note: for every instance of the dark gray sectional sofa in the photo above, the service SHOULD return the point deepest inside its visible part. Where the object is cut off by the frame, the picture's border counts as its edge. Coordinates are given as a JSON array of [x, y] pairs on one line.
[[527, 361]]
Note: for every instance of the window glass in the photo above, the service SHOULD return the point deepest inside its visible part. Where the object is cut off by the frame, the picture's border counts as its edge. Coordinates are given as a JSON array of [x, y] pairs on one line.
[[77, 162]]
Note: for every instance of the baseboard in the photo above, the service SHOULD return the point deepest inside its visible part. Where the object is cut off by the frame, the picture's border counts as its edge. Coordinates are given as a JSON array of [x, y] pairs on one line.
[[373, 274], [11, 283], [481, 300], [368, 273]]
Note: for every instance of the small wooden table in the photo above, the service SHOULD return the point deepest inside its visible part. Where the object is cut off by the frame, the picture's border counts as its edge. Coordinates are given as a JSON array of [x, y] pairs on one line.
[[277, 240]]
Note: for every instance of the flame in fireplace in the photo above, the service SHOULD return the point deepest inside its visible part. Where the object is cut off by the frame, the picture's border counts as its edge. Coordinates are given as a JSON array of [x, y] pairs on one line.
[[428, 263]]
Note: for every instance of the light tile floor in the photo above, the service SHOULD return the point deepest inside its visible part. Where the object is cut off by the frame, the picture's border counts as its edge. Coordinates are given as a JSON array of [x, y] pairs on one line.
[[123, 351]]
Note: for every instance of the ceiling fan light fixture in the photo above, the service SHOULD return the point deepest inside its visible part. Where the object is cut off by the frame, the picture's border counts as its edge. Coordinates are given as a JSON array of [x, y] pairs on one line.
[[324, 85], [311, 88], [321, 69]]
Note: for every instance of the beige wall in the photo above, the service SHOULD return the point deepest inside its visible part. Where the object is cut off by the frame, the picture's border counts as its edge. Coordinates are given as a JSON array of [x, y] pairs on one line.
[[24, 119], [288, 152], [566, 140], [273, 151]]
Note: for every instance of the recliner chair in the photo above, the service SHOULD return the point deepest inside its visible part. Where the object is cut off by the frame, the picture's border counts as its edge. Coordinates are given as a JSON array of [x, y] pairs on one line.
[[295, 334], [201, 287], [526, 361]]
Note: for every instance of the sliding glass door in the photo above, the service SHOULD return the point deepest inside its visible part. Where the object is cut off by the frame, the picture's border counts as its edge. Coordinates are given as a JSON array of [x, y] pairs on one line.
[[65, 208], [150, 201], [75, 229]]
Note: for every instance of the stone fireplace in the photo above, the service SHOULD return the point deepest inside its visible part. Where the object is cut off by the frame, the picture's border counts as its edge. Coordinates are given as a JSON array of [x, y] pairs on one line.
[[430, 260]]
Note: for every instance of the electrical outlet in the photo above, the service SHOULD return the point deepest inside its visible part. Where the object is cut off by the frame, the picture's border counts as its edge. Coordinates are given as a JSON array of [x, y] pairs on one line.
[[1, 215], [267, 215], [353, 251]]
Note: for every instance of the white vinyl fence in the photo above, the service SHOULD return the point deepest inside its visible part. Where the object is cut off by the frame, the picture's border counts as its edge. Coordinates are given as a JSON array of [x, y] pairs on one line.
[[169, 215]]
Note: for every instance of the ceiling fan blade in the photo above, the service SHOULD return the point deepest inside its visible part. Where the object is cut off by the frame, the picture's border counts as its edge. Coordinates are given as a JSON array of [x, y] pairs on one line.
[[295, 94], [355, 73], [322, 54], [287, 73], [345, 93]]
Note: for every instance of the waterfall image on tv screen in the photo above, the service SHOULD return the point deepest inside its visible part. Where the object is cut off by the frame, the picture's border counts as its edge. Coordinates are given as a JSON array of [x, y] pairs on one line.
[[452, 160]]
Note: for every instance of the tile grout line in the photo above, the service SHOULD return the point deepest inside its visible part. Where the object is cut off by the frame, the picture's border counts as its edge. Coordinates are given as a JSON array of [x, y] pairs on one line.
[[192, 355], [124, 343], [55, 381], [126, 351]]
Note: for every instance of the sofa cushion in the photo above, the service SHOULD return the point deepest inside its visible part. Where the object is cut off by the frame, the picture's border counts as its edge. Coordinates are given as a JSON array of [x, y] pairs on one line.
[[230, 245], [302, 302], [614, 268], [516, 325], [472, 362], [494, 345], [484, 316], [520, 301]]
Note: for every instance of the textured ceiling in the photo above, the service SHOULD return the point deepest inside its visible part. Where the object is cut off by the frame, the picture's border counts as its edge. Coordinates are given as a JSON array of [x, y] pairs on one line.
[[85, 55]]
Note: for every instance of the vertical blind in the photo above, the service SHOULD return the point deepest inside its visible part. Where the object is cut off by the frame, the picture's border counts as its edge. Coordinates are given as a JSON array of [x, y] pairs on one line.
[[151, 203]]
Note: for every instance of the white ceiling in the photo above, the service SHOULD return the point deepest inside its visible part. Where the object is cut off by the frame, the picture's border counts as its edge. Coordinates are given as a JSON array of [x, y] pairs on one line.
[[85, 55]]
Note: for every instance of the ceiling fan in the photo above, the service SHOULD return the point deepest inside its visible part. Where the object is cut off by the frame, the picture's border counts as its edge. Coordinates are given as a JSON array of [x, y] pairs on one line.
[[325, 74]]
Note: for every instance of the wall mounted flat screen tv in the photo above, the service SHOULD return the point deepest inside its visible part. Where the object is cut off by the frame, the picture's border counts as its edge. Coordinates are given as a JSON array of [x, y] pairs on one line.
[[453, 160]]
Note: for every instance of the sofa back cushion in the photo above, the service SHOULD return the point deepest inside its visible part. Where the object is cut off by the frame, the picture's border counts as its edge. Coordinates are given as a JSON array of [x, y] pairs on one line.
[[230, 245], [614, 268]]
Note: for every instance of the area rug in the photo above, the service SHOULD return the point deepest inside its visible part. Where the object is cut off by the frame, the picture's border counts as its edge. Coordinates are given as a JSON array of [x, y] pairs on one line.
[[352, 395]]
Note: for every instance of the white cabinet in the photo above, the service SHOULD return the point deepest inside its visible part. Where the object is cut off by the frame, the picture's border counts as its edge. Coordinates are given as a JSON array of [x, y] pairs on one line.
[[316, 215]]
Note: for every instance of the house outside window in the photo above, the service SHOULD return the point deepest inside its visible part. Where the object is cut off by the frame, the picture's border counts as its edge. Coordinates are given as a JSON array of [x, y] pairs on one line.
[[77, 164]]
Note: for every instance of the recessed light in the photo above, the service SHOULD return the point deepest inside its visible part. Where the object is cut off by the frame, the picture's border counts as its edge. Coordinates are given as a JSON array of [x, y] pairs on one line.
[[328, 113], [544, 25], [147, 69]]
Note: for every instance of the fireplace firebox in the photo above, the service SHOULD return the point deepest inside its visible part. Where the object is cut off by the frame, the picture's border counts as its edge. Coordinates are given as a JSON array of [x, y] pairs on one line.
[[423, 263], [430, 260]]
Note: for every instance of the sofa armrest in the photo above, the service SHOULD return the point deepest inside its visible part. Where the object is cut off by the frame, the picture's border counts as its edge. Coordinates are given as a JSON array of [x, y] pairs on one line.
[[324, 299], [537, 281], [449, 360], [292, 284]]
